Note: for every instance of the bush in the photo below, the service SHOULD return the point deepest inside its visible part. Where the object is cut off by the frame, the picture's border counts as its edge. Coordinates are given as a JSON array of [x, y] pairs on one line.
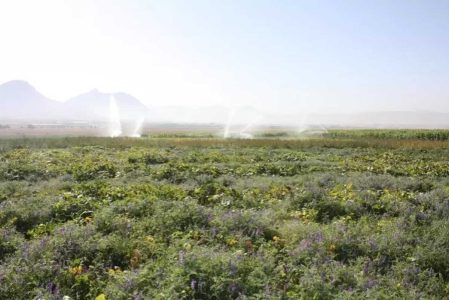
[[89, 170]]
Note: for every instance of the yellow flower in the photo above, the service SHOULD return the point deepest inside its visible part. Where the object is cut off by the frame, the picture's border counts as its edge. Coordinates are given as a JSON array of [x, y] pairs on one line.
[[115, 271], [278, 241], [232, 242], [101, 297], [76, 270]]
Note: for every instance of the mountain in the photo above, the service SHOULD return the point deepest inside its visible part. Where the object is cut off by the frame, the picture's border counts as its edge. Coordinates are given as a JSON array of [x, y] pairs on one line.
[[21, 101], [95, 106]]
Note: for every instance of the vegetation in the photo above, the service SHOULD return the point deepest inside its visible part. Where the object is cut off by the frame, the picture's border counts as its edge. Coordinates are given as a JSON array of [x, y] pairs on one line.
[[352, 216], [421, 134]]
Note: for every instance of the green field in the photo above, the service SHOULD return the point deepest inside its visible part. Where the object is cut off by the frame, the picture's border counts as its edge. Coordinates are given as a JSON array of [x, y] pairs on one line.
[[346, 215]]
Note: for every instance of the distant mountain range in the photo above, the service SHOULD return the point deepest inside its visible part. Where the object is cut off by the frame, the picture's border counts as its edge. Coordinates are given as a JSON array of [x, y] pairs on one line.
[[95, 105], [19, 101]]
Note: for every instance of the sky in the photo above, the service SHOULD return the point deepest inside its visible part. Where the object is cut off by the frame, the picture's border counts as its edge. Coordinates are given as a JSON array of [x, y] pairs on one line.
[[277, 56]]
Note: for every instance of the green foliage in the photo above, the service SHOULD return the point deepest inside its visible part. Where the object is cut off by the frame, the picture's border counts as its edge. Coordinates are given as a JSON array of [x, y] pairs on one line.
[[357, 215], [90, 169], [421, 134], [431, 253]]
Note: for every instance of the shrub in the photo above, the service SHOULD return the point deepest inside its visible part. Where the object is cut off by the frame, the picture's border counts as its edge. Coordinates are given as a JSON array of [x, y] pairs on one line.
[[89, 170]]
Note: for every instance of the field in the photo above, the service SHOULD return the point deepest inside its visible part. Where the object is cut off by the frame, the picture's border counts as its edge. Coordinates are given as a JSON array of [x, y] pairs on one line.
[[346, 215]]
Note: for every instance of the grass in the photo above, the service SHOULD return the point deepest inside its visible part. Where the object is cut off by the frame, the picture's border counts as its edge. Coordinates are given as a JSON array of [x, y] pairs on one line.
[[419, 134], [355, 215], [350, 141]]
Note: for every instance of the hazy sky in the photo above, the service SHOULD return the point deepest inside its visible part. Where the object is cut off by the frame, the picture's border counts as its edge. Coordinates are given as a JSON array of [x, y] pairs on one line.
[[275, 55]]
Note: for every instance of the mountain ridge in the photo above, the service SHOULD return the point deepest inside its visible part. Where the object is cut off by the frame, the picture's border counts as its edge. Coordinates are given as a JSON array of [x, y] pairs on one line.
[[19, 100]]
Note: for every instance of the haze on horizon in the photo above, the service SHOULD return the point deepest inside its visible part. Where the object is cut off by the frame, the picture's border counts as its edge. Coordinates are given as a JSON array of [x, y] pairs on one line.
[[277, 56]]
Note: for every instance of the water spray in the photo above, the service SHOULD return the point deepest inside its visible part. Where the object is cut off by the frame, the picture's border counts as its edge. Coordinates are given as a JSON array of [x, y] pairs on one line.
[[115, 126], [227, 129], [138, 129]]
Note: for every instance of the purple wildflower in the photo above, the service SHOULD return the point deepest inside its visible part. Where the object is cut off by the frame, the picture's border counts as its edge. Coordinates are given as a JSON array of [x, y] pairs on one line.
[[52, 288], [193, 284], [317, 237], [370, 283], [234, 288]]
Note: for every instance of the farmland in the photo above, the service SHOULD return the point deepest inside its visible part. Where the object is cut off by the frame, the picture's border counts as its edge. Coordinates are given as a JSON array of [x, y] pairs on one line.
[[359, 214]]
